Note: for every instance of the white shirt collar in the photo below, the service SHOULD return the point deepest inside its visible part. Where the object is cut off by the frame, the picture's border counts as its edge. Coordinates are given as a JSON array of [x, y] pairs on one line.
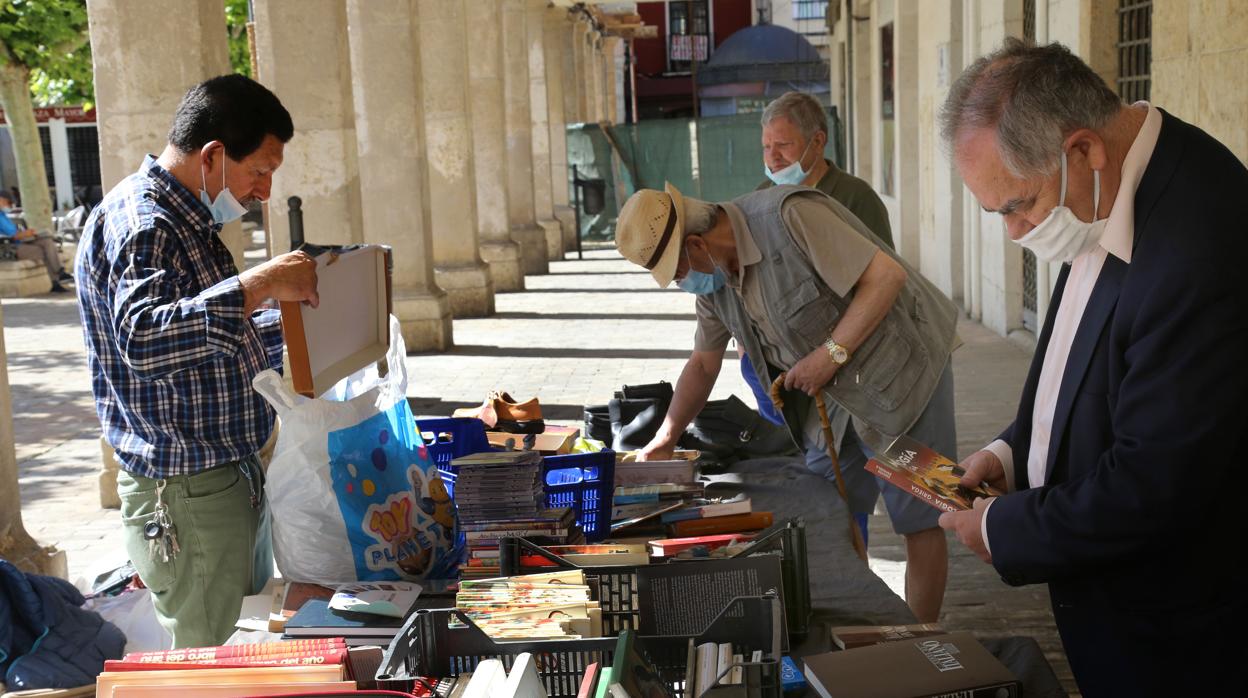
[[1119, 235]]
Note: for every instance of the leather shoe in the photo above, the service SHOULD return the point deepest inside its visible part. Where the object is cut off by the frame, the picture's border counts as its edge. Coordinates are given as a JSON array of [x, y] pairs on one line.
[[501, 412]]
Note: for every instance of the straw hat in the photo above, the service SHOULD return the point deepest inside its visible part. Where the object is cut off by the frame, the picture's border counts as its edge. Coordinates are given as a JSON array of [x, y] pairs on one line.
[[650, 230]]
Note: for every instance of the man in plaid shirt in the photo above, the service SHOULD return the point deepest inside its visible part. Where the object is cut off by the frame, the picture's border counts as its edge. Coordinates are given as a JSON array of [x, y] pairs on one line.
[[174, 335]]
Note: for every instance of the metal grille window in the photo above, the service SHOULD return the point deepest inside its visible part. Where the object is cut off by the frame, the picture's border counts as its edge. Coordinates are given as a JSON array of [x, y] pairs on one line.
[[1030, 319], [1135, 49], [688, 34], [45, 139], [810, 9], [84, 155]]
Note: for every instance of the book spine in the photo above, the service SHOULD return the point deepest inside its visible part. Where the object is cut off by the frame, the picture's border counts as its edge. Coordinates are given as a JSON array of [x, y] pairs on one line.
[[301, 659], [723, 524], [914, 486], [195, 654], [515, 533], [1001, 690]]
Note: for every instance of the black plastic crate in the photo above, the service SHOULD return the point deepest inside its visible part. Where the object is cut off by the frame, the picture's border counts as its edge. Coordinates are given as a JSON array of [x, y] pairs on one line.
[[446, 643], [617, 584]]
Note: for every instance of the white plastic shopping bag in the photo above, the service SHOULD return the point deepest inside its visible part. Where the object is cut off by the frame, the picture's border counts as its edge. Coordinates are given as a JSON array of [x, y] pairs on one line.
[[353, 492]]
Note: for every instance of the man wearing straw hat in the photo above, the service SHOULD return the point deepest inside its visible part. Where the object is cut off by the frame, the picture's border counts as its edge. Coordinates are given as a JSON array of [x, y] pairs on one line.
[[809, 292]]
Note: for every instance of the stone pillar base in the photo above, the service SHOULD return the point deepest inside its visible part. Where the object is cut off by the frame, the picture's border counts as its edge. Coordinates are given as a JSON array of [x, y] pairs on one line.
[[37, 559], [506, 265], [23, 277], [109, 499], [532, 239], [567, 220], [554, 238], [425, 319], [469, 288]]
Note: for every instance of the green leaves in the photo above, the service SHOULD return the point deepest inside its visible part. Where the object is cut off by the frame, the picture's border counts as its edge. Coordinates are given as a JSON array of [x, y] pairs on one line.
[[49, 39]]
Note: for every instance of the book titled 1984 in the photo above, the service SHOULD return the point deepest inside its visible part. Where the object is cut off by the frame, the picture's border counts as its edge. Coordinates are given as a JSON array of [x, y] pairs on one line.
[[926, 475]]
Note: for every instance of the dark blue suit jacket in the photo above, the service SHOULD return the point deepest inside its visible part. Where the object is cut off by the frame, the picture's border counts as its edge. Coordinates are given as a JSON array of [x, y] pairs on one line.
[[1139, 528]]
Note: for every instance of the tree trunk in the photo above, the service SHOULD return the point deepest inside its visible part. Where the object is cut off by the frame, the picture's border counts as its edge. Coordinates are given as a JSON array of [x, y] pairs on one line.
[[32, 175], [16, 545]]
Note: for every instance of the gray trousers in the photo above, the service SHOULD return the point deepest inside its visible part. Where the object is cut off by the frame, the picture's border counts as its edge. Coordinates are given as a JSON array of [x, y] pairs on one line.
[[42, 250], [936, 428]]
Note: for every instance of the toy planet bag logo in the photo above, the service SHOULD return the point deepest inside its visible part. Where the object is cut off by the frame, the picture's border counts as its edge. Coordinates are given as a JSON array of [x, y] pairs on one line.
[[399, 517]]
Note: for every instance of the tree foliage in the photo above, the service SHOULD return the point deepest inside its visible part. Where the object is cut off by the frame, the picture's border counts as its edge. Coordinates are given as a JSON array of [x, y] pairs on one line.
[[49, 39], [236, 29]]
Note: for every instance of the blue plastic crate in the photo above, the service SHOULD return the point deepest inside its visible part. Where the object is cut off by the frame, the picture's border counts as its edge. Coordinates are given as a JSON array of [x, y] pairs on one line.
[[465, 437], [585, 482]]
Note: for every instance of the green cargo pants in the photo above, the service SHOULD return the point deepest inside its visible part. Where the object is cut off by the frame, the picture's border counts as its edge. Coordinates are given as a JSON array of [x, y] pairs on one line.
[[226, 550]]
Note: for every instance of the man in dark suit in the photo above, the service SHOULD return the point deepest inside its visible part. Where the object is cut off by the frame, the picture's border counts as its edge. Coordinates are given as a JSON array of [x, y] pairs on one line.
[[1121, 465]]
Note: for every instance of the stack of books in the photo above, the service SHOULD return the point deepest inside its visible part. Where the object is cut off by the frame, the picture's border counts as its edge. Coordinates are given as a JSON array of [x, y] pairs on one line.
[[638, 507], [718, 545], [548, 606], [498, 485], [550, 527], [275, 668]]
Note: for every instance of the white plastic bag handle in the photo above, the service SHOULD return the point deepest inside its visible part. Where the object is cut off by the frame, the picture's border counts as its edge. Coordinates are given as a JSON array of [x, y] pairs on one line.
[[271, 387]]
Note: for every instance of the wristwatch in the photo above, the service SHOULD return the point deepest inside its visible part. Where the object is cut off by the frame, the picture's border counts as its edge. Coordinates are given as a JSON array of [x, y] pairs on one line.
[[838, 353]]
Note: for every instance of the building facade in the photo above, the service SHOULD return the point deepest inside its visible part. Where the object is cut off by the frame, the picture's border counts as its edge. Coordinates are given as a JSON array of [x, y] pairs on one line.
[[892, 62]]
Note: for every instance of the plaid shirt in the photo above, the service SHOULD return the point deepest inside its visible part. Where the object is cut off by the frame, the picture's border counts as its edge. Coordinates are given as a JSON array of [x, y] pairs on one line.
[[171, 352]]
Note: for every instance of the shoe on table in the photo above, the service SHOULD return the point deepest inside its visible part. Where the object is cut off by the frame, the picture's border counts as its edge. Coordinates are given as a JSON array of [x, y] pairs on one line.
[[501, 412]]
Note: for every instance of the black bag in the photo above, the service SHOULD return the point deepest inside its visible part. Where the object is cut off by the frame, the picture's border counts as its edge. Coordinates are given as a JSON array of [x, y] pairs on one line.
[[632, 418], [732, 430]]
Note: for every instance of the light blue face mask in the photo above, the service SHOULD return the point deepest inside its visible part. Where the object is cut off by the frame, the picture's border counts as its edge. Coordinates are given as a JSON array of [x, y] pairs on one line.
[[226, 208], [700, 283], [793, 174]]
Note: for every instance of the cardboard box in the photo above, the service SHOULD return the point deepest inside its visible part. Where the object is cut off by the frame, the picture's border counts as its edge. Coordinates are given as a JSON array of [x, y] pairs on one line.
[[351, 327], [555, 441]]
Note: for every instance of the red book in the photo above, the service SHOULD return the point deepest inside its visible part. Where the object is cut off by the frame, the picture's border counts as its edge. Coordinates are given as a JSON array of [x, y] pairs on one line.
[[337, 656], [196, 654], [755, 521], [588, 682], [672, 546]]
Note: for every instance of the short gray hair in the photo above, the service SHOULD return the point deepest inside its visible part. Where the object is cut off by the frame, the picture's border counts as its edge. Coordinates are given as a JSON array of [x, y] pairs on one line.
[[1033, 96], [699, 216], [802, 109]]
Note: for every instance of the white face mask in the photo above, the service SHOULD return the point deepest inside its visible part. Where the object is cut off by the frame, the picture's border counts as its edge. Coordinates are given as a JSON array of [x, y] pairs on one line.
[[226, 208], [793, 174], [1061, 236]]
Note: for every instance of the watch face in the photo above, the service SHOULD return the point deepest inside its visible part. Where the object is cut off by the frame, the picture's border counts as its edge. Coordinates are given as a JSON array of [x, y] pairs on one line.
[[839, 355]]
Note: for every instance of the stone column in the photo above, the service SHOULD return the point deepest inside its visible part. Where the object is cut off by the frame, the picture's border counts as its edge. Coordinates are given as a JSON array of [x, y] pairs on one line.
[[448, 137], [302, 55], [580, 42], [485, 80], [543, 201], [610, 47], [394, 195], [139, 82], [521, 213], [555, 30], [592, 74]]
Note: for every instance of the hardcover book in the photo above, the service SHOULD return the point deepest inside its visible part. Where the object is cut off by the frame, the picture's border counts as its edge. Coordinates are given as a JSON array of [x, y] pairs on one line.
[[939, 665], [850, 636], [926, 475]]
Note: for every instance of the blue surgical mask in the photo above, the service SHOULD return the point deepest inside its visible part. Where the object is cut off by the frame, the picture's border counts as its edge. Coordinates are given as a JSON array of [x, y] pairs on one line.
[[226, 208], [700, 283], [793, 174]]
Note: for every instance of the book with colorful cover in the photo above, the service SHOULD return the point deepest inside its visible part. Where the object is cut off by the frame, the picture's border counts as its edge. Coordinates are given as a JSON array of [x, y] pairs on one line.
[[709, 509], [392, 599], [668, 547], [926, 475], [850, 636]]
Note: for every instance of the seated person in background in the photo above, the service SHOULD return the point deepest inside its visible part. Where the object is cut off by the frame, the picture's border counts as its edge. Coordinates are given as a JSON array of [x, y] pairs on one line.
[[30, 246]]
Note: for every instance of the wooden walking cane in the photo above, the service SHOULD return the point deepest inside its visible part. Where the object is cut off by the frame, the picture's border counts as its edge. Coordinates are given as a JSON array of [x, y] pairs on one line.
[[855, 533]]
